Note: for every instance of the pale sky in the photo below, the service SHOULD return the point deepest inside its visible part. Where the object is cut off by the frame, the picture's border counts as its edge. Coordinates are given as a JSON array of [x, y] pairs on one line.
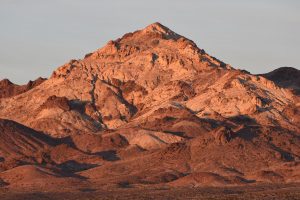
[[37, 36]]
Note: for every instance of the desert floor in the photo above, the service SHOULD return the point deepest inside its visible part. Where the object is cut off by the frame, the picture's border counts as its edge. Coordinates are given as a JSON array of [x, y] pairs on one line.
[[259, 192]]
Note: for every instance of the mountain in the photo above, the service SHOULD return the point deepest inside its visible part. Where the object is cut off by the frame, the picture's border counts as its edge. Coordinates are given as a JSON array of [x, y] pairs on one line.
[[9, 89], [20, 145], [153, 108], [286, 77]]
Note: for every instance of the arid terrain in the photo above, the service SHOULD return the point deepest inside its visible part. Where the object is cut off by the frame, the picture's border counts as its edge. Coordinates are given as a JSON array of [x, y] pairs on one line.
[[151, 116]]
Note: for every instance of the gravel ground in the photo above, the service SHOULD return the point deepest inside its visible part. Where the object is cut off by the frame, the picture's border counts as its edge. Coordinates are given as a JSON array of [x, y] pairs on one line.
[[263, 192]]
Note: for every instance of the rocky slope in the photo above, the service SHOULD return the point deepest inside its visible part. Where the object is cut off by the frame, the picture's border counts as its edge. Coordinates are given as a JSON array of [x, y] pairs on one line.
[[20, 145], [9, 89], [153, 108], [286, 77]]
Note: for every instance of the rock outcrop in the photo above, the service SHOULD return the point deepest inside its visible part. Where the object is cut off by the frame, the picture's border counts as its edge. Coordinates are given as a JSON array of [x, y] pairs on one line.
[[9, 89]]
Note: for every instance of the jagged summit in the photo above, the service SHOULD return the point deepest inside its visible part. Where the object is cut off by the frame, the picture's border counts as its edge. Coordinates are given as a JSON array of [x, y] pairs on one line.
[[161, 29], [5, 82], [155, 45], [9, 89], [156, 26]]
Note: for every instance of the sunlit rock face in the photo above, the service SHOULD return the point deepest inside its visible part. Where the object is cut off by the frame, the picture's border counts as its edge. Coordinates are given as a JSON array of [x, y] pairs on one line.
[[152, 101]]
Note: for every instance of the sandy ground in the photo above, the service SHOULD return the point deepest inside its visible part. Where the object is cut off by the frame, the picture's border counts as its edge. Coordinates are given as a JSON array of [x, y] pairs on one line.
[[262, 192]]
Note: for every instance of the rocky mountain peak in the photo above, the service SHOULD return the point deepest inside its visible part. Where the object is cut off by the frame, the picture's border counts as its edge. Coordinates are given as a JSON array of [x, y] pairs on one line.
[[149, 56], [9, 89], [162, 30], [154, 98], [5, 82]]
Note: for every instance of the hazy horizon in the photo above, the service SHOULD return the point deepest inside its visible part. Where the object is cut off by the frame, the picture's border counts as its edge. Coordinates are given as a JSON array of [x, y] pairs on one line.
[[39, 36]]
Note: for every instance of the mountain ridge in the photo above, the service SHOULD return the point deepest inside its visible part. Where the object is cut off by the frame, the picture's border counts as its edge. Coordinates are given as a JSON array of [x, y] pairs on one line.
[[153, 108]]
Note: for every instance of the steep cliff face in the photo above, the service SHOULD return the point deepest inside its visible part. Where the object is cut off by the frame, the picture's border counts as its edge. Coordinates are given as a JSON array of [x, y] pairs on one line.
[[161, 101]]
